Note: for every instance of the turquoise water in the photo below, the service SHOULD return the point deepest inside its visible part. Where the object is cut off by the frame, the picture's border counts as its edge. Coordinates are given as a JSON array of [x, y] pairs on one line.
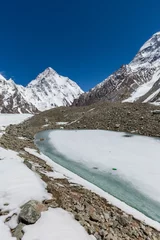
[[108, 181]]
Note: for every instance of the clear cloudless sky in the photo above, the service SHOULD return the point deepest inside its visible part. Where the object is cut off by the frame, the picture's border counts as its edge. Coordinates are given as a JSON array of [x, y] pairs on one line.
[[85, 40]]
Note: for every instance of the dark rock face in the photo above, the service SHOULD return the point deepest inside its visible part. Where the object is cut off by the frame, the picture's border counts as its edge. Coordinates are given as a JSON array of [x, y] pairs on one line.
[[116, 87]]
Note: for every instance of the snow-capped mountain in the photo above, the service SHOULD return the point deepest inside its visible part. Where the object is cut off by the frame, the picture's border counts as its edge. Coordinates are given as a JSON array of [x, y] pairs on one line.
[[50, 90], [137, 81], [12, 98], [47, 91]]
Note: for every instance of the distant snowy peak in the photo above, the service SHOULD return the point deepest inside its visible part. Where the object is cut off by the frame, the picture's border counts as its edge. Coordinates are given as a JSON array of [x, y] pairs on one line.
[[50, 90], [151, 42], [47, 91], [137, 81], [149, 54], [47, 73]]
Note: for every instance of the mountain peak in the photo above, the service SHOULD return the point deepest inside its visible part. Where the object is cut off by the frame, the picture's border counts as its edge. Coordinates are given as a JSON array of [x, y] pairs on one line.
[[151, 43], [148, 55], [46, 74], [50, 89], [47, 91], [49, 70]]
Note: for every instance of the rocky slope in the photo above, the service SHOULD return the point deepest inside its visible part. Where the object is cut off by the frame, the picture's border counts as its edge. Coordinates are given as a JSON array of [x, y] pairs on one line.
[[137, 81], [47, 91]]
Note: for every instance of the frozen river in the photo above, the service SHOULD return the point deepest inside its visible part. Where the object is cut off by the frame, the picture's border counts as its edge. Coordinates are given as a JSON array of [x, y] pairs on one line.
[[126, 166]]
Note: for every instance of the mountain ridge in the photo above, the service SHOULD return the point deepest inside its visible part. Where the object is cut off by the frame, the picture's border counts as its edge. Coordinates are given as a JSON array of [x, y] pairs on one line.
[[48, 90], [131, 81]]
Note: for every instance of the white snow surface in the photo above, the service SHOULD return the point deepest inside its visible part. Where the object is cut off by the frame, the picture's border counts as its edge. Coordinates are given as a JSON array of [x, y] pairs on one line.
[[56, 224], [133, 157], [143, 89], [61, 123], [73, 178], [7, 119], [18, 183], [5, 233]]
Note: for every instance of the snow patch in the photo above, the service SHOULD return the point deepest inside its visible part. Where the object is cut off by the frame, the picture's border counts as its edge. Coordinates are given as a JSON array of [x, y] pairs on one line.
[[143, 89], [61, 123], [5, 233], [7, 119], [56, 224]]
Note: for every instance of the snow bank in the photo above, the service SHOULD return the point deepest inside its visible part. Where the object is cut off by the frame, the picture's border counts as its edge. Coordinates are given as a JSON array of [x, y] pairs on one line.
[[18, 184], [56, 224]]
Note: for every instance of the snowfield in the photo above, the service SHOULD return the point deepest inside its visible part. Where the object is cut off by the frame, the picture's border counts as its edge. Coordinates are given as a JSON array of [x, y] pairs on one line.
[[20, 184], [7, 119], [136, 158]]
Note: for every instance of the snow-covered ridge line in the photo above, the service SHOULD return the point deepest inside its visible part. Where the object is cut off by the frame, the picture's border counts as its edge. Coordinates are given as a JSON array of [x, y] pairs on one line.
[[47, 91]]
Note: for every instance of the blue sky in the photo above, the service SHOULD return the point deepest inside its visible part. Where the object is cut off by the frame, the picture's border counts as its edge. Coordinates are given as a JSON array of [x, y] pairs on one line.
[[85, 40]]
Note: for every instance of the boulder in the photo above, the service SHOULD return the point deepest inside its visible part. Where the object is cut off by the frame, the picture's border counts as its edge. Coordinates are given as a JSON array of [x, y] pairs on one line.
[[31, 212]]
